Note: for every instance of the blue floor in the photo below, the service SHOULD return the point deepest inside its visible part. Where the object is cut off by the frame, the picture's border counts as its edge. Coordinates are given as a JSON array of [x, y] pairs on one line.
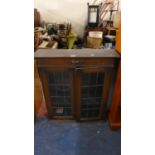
[[73, 138]]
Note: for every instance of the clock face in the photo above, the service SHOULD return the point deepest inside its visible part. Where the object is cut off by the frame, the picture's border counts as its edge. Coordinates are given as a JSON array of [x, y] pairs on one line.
[[93, 17], [93, 14]]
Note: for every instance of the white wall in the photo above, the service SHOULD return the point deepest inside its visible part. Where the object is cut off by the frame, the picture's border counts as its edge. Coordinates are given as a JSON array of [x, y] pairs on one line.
[[73, 11]]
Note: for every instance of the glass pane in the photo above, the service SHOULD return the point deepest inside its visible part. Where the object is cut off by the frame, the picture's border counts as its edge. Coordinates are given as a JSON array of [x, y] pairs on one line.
[[93, 17], [65, 78], [99, 91], [100, 79], [59, 88], [85, 79], [91, 94]]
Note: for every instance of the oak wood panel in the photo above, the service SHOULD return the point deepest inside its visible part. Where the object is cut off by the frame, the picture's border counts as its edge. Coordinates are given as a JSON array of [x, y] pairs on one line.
[[43, 77], [107, 82], [60, 60], [114, 120], [38, 93], [76, 62]]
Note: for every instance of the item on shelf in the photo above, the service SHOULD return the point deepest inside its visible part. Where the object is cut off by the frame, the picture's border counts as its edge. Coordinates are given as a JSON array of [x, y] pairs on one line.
[[111, 31], [37, 19], [79, 42], [48, 44], [91, 29], [36, 41], [94, 42], [93, 15], [38, 33], [109, 39], [59, 32], [39, 29], [71, 38], [51, 29], [61, 44], [45, 37], [116, 19], [96, 34], [108, 45], [64, 30]]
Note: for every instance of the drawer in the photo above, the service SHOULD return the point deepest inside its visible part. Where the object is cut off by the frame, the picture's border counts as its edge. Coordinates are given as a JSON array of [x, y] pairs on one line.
[[110, 62]]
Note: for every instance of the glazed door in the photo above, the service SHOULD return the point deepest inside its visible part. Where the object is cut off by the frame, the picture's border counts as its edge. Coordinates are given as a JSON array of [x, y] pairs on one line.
[[58, 91], [92, 88]]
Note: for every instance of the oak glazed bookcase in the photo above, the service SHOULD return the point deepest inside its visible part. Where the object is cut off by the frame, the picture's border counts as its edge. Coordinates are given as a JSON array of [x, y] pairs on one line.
[[76, 82]]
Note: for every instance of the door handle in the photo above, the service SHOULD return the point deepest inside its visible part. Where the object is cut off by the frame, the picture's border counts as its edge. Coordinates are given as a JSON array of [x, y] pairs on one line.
[[75, 61]]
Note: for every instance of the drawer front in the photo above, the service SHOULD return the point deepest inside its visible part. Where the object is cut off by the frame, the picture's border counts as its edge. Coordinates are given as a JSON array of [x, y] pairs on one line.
[[109, 62]]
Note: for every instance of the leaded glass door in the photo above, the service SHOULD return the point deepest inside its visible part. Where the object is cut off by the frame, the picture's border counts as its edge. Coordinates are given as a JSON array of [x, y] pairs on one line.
[[92, 84], [59, 91]]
